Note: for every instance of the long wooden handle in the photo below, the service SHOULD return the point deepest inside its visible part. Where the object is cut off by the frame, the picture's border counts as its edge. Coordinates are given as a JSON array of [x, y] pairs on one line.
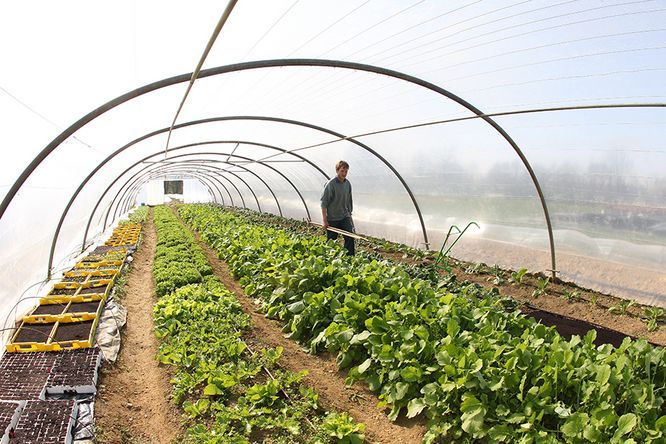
[[339, 231]]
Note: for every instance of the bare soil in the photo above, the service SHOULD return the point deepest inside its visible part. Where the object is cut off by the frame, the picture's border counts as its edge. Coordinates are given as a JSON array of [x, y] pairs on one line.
[[323, 374], [133, 400]]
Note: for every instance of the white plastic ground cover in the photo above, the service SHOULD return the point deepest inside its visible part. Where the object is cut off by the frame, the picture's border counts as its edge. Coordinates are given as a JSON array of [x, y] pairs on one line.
[[267, 137], [107, 337]]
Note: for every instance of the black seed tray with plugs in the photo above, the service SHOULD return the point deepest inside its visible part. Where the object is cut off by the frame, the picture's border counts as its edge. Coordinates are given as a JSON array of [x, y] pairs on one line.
[[75, 370], [45, 422], [23, 375], [7, 412]]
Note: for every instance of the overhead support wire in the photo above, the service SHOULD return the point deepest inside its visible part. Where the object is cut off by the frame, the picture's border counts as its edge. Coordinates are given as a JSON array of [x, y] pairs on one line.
[[195, 73], [40, 115], [232, 151]]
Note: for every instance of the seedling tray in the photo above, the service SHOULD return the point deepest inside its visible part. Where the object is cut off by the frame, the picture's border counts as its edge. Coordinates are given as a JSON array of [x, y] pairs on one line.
[[32, 337], [74, 335], [68, 331], [79, 308], [104, 274], [79, 279], [64, 289], [98, 264], [49, 309], [9, 416], [67, 299], [75, 372], [23, 375], [79, 272], [101, 287], [46, 422]]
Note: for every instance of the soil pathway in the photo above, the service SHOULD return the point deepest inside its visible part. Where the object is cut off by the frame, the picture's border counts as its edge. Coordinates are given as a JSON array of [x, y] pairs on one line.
[[323, 375], [133, 400]]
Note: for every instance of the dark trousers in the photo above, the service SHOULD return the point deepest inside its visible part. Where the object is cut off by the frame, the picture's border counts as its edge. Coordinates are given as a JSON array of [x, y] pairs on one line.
[[344, 224]]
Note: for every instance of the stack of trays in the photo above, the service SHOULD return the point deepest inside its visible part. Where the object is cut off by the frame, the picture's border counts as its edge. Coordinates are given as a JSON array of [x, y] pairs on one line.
[[67, 316], [65, 319]]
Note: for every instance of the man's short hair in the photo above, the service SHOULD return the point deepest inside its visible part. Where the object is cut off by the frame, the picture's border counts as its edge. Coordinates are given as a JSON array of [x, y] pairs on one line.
[[341, 164]]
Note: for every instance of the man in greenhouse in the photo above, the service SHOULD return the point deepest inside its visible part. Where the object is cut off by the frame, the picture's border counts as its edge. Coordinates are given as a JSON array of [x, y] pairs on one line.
[[337, 205]]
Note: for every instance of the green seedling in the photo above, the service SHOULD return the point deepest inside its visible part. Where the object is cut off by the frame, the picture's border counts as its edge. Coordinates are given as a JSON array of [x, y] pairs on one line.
[[474, 269], [497, 277], [622, 307], [542, 284], [653, 315], [571, 296], [517, 277]]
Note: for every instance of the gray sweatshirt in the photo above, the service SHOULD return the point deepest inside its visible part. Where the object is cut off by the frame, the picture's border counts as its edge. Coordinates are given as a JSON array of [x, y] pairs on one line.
[[337, 199]]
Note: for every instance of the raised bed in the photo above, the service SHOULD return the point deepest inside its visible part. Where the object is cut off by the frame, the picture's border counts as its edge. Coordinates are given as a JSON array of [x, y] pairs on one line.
[[46, 422]]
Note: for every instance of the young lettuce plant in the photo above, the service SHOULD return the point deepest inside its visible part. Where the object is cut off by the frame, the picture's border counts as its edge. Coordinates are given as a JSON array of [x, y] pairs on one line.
[[653, 315], [517, 277], [542, 284]]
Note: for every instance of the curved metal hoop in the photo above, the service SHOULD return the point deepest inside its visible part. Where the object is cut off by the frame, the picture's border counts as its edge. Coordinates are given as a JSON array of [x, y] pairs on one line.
[[123, 202], [273, 64]]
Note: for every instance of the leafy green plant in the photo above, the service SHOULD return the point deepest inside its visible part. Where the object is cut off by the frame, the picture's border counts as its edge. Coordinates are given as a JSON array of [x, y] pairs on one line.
[[652, 316], [342, 428], [476, 268], [449, 350], [217, 380], [498, 275], [517, 277], [571, 296], [542, 285], [622, 307]]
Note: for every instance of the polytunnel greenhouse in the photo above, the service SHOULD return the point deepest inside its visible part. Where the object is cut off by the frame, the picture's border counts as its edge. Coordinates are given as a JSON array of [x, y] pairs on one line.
[[167, 276]]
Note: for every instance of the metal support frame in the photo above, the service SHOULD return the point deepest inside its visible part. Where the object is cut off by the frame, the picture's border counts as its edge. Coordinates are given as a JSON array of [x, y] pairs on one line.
[[220, 172], [356, 142], [123, 202], [85, 235], [168, 169], [201, 172], [262, 64], [135, 187], [132, 143], [307, 211]]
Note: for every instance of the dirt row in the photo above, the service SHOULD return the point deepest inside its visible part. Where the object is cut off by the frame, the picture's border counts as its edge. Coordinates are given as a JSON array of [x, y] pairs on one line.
[[132, 405], [323, 374], [133, 401]]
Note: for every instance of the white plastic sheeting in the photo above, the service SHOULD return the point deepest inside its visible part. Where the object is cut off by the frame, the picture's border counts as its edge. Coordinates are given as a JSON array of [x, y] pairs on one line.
[[601, 170]]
